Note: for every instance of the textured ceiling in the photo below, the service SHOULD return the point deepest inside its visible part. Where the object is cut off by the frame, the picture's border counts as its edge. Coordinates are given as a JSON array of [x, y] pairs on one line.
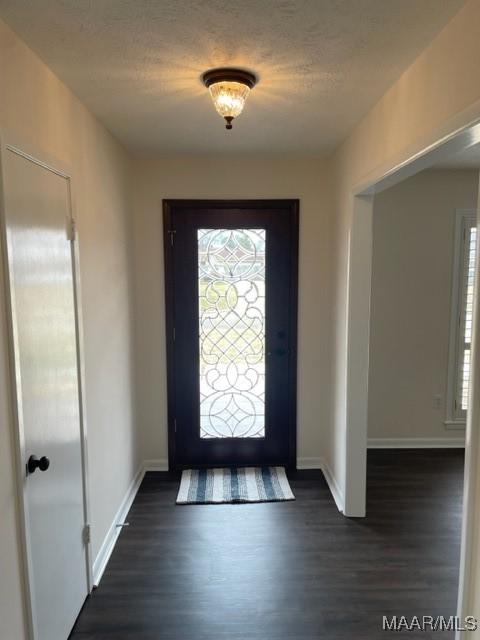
[[137, 64]]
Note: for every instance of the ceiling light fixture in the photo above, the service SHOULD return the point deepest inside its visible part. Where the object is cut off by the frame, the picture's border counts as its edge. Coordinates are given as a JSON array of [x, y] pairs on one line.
[[229, 89]]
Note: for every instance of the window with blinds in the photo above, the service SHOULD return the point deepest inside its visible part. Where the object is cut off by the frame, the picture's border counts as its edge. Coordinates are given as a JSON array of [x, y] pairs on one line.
[[466, 314], [462, 316]]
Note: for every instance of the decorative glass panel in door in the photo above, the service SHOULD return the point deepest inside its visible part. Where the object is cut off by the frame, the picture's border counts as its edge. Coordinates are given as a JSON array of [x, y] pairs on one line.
[[231, 284], [231, 271]]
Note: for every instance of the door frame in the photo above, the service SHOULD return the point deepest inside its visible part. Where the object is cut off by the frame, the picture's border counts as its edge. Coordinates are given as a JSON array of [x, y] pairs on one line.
[[293, 205], [11, 144], [459, 134]]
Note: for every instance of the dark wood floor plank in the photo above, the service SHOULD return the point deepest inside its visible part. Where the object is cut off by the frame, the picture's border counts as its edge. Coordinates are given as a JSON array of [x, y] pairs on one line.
[[293, 570]]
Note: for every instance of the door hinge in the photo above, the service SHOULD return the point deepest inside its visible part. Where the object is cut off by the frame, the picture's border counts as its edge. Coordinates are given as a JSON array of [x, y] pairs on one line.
[[71, 229], [87, 537], [175, 425], [174, 334], [172, 233]]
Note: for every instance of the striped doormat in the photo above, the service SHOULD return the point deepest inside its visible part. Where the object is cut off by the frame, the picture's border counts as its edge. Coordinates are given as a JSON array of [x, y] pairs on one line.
[[249, 484]]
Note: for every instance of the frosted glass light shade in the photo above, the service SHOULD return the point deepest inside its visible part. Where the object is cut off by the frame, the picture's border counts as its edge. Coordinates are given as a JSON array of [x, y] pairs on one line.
[[229, 98], [229, 89]]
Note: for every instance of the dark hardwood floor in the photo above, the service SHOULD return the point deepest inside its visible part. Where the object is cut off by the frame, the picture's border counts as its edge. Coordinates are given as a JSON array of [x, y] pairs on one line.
[[296, 570]]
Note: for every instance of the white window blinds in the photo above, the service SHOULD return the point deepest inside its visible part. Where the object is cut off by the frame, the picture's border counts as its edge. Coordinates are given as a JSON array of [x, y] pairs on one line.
[[463, 285], [466, 314]]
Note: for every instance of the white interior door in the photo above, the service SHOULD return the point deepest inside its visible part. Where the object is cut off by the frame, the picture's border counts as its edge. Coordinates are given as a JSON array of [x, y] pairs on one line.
[[41, 279]]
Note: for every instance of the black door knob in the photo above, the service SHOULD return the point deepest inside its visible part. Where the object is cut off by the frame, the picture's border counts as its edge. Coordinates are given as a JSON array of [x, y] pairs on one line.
[[34, 463]]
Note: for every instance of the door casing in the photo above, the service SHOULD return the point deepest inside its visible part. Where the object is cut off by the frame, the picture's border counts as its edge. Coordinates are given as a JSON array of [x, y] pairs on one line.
[[11, 144], [168, 235]]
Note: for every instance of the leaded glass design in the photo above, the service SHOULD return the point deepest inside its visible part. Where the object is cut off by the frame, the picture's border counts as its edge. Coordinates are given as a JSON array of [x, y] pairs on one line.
[[231, 285]]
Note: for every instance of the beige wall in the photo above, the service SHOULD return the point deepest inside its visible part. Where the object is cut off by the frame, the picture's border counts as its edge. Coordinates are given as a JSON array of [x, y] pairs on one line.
[[234, 177], [413, 243], [438, 94], [37, 108]]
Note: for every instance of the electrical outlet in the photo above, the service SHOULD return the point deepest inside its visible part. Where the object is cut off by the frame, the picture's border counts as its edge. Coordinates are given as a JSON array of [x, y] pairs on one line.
[[437, 401]]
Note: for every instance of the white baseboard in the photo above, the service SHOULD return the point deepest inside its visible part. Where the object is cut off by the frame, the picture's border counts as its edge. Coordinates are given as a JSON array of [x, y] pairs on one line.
[[320, 463], [309, 463], [416, 443], [156, 465], [113, 532], [334, 487]]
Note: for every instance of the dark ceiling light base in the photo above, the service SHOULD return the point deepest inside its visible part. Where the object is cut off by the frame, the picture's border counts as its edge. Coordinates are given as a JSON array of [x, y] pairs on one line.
[[229, 122], [227, 74]]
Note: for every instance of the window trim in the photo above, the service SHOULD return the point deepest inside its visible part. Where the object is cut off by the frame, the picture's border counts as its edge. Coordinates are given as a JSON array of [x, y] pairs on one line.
[[456, 418]]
